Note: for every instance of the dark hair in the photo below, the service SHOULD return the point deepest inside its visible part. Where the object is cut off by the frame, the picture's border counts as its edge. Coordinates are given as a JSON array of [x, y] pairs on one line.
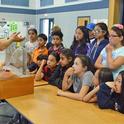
[[57, 33], [68, 53], [43, 36], [105, 74], [33, 30], [119, 32], [121, 99], [55, 55], [85, 60], [90, 64], [83, 42], [41, 57], [104, 28]]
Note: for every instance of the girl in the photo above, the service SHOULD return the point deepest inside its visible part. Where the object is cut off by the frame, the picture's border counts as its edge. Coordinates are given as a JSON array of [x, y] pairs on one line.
[[32, 43], [79, 77], [112, 56], [101, 40], [111, 94], [102, 75], [45, 71], [80, 42], [66, 61]]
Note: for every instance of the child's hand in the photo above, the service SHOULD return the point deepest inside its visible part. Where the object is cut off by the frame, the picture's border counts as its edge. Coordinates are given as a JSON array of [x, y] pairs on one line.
[[111, 85], [109, 48], [69, 72], [43, 62], [37, 76], [60, 92]]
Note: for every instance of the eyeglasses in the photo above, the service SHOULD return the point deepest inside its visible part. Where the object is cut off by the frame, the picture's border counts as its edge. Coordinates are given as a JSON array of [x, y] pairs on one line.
[[113, 36], [98, 31]]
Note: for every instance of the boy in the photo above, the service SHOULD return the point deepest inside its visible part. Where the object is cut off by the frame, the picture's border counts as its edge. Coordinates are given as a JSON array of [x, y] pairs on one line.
[[41, 50], [57, 46]]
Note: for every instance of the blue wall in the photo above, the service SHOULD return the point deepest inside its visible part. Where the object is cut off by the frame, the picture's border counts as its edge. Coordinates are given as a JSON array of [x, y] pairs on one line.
[[15, 2]]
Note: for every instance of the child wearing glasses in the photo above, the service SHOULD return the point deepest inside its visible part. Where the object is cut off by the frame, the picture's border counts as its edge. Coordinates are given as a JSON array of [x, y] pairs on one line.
[[112, 56], [111, 94], [101, 40]]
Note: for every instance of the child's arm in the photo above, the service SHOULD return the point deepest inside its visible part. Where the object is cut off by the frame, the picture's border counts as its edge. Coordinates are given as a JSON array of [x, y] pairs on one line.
[[55, 78], [104, 98], [93, 99], [39, 75], [77, 96], [114, 63], [98, 62], [91, 96], [67, 81]]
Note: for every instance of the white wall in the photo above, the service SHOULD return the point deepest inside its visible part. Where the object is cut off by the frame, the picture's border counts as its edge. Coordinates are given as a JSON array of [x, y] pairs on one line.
[[68, 21], [18, 17]]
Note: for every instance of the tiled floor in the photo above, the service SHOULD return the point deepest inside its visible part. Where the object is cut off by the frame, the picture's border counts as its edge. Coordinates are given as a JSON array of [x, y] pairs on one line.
[[8, 115], [5, 112]]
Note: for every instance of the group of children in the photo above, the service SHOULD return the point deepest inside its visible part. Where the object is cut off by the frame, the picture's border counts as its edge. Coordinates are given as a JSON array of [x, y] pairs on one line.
[[92, 70]]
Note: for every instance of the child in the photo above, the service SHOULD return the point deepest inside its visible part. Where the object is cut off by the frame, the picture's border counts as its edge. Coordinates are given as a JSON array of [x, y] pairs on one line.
[[66, 61], [56, 28], [112, 56], [79, 77], [101, 75], [42, 38], [111, 94], [32, 43], [57, 46], [45, 71], [90, 28], [80, 42], [101, 40]]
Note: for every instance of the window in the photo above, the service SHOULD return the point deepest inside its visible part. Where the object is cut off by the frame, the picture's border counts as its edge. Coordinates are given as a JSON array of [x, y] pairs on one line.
[[66, 1], [15, 2], [46, 2]]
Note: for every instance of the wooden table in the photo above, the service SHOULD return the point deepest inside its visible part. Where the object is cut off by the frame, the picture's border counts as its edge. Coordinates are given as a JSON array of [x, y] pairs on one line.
[[40, 83], [45, 107]]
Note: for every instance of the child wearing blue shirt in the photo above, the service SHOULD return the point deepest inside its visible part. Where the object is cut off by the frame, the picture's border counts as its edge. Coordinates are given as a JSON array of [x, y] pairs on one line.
[[111, 94]]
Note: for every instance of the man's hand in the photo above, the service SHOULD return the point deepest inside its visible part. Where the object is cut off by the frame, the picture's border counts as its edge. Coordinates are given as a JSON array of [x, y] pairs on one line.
[[16, 38]]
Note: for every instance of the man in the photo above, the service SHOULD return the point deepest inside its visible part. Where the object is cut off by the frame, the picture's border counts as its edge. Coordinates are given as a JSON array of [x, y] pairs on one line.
[[4, 43]]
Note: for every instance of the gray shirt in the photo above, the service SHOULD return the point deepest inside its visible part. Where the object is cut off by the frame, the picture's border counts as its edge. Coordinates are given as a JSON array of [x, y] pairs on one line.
[[86, 80]]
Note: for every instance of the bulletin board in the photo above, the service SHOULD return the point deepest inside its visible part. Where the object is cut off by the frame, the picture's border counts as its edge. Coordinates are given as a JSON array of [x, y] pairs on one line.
[[83, 20]]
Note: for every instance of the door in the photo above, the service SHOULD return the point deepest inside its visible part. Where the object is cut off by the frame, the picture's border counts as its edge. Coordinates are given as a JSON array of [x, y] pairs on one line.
[[46, 25]]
